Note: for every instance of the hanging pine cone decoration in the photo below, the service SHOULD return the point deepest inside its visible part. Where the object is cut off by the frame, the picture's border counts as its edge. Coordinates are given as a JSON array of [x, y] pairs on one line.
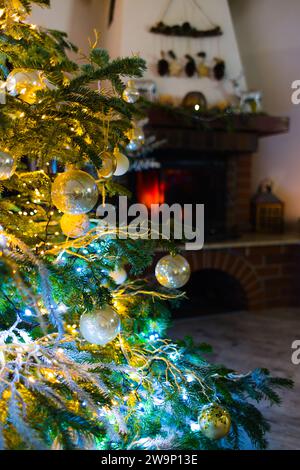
[[190, 68], [163, 67], [219, 69]]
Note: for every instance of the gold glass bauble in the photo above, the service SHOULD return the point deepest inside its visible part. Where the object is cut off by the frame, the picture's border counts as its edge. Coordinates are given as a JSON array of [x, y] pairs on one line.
[[25, 83], [173, 272], [7, 165], [214, 422], [122, 163], [74, 226], [109, 165], [101, 326], [74, 192], [131, 93]]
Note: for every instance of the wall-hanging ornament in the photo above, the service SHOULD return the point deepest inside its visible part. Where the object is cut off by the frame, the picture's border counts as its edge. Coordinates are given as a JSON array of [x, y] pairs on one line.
[[195, 100], [202, 67], [7, 165], [190, 67], [219, 69], [214, 422], [131, 93], [163, 66], [175, 65], [186, 29], [100, 327], [75, 226], [173, 272], [74, 192]]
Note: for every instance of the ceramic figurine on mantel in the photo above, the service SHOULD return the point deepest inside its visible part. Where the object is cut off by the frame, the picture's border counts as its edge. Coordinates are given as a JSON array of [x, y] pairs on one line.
[[251, 102]]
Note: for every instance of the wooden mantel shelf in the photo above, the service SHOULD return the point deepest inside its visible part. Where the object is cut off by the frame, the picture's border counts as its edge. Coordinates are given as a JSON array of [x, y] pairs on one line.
[[262, 125], [237, 133]]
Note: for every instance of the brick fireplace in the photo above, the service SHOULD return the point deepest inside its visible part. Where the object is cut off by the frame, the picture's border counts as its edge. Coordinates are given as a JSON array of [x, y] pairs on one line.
[[237, 269]]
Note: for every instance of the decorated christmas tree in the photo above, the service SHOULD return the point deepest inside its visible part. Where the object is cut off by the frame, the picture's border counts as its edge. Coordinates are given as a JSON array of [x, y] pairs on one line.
[[85, 361]]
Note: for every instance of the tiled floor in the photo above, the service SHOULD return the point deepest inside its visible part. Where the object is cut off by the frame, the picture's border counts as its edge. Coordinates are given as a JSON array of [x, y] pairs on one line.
[[244, 341]]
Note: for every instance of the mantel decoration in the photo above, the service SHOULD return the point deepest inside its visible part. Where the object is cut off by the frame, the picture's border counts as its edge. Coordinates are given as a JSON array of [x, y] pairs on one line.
[[186, 29]]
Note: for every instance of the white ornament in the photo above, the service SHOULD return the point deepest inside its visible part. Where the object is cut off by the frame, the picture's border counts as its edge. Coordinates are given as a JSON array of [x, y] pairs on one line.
[[119, 276], [122, 163], [101, 326], [3, 240]]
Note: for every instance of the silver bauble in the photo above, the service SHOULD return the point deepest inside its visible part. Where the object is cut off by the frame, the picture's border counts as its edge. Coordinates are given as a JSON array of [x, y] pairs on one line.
[[131, 93], [100, 327]]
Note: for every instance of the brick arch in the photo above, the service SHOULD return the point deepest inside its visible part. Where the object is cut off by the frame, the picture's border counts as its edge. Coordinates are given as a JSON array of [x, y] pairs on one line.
[[236, 266]]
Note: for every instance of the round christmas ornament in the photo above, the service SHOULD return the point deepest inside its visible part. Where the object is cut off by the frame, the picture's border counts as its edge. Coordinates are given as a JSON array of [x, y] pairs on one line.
[[101, 326], [214, 422], [173, 272], [74, 192], [109, 165], [75, 226], [25, 83], [131, 93], [136, 138], [3, 240], [7, 165], [119, 276], [122, 163]]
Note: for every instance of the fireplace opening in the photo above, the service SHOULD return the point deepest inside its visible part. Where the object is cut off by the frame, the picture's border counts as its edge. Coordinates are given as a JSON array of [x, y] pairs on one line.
[[212, 291], [185, 177]]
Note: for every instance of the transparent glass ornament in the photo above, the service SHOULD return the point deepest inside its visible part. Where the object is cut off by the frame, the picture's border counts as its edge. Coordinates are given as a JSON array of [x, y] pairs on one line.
[[25, 83], [109, 165], [75, 192], [101, 326], [173, 272], [74, 226], [7, 165], [131, 93]]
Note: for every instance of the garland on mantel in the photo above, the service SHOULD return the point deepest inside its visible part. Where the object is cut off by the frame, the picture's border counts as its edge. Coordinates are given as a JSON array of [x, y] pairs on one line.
[[203, 119]]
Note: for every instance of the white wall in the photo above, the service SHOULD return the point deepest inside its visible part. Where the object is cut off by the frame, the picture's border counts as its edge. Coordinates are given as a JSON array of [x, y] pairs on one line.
[[269, 39], [76, 17], [129, 34]]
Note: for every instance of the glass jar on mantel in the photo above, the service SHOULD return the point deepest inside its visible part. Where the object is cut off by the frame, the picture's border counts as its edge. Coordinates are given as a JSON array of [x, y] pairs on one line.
[[267, 210]]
